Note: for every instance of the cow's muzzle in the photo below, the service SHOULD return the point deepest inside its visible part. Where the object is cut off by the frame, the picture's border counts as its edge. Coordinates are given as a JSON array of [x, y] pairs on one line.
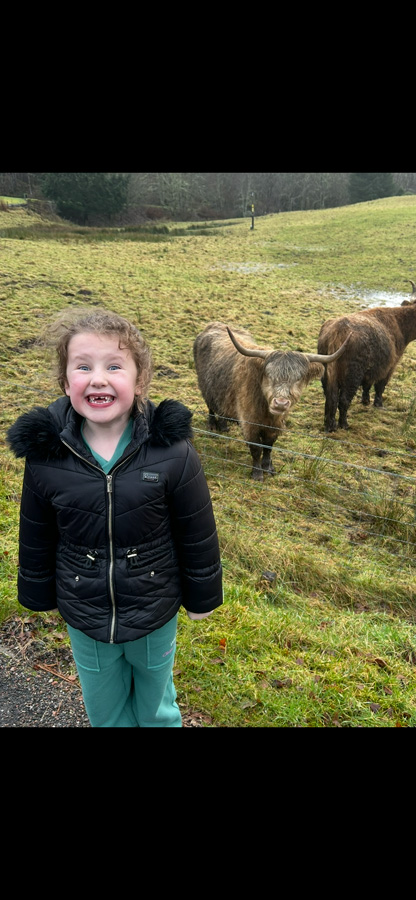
[[279, 405]]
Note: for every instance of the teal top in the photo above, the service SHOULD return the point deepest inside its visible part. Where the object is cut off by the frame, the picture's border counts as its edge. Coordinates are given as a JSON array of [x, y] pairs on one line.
[[107, 464]]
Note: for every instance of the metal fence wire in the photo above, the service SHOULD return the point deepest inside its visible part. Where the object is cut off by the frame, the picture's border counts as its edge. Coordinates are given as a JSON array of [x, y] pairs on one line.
[[314, 489], [320, 492]]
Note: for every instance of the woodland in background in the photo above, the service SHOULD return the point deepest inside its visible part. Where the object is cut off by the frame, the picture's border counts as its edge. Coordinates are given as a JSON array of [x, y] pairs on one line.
[[91, 198]]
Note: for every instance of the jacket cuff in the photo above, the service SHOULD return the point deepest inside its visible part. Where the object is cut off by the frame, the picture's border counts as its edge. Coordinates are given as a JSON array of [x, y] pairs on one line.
[[39, 596]]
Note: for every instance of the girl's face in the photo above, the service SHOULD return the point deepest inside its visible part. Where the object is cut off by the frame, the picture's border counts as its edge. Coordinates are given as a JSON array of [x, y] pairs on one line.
[[101, 379]]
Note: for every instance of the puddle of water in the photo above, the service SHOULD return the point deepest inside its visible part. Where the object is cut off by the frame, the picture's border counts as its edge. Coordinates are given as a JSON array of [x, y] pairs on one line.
[[384, 298], [369, 299]]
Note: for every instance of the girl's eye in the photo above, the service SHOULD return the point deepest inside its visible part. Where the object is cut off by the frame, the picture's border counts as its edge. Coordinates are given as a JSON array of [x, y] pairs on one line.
[[83, 368], [114, 367]]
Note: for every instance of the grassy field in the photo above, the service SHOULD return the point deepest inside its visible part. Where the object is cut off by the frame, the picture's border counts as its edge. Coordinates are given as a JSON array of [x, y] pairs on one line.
[[318, 624]]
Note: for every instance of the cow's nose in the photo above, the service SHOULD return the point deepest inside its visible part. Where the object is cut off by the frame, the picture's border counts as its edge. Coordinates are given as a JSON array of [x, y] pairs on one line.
[[280, 403]]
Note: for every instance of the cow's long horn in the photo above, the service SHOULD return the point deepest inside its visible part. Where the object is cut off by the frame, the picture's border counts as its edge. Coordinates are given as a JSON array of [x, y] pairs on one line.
[[322, 358], [245, 350], [413, 287]]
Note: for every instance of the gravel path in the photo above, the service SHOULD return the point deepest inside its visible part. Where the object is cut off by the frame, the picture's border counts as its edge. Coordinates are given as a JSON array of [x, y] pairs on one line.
[[34, 697], [37, 686]]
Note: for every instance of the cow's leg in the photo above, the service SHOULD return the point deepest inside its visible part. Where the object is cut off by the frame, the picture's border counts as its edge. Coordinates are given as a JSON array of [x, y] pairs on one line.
[[331, 402], [257, 470], [251, 435], [223, 424], [343, 410], [379, 389], [212, 421], [267, 438], [217, 424], [346, 396], [365, 397], [266, 462]]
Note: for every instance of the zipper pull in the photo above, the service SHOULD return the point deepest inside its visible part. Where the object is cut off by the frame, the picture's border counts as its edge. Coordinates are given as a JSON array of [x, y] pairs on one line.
[[132, 559], [91, 558], [109, 484]]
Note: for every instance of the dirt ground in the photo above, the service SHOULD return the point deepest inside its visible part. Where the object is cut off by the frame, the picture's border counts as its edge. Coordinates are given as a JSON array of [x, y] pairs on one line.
[[37, 686]]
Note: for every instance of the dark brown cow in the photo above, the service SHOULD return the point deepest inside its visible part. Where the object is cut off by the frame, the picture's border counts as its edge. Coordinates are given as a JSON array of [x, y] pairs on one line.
[[379, 337], [256, 386]]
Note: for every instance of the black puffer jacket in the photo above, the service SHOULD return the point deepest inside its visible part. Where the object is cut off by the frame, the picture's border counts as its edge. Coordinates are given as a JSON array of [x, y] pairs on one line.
[[117, 554]]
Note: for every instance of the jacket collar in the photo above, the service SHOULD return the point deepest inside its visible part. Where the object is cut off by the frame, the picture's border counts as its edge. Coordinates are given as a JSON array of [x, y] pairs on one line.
[[40, 433]]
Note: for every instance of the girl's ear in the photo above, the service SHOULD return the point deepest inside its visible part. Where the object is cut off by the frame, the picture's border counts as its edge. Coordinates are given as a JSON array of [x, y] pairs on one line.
[[67, 388]]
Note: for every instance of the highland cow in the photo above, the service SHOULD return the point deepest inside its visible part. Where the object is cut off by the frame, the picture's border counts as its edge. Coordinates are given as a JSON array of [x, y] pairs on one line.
[[255, 386], [379, 337]]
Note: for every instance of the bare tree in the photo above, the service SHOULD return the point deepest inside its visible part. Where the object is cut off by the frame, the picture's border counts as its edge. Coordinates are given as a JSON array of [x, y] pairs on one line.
[[407, 182]]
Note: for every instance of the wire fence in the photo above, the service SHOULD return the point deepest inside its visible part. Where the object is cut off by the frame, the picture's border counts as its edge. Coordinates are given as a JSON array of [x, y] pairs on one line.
[[331, 490], [314, 487]]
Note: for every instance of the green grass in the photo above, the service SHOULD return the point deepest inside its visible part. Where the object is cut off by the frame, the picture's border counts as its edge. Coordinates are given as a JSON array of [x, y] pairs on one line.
[[318, 624], [12, 201]]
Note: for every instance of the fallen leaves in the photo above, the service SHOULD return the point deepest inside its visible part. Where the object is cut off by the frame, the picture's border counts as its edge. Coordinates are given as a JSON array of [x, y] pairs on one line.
[[281, 682]]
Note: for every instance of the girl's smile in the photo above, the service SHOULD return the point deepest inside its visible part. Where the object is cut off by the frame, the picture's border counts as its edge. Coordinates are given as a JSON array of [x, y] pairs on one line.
[[99, 399]]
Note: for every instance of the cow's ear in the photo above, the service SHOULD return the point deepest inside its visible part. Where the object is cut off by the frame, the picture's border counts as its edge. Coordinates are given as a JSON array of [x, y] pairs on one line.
[[316, 370]]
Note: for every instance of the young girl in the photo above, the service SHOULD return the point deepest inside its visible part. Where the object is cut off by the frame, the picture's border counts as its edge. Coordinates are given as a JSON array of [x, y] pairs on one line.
[[116, 524]]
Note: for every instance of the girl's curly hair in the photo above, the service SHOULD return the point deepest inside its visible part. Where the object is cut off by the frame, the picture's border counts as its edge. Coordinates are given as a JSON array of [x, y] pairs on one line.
[[99, 321]]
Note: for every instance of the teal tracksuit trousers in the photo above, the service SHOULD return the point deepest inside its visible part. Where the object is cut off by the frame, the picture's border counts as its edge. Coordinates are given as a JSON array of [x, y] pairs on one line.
[[128, 685]]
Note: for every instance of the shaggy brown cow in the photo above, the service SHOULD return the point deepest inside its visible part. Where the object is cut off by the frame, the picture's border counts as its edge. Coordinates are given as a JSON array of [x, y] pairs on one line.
[[256, 386], [379, 338]]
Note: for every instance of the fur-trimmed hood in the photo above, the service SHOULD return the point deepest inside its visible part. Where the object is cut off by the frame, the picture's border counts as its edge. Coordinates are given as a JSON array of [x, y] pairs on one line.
[[40, 433]]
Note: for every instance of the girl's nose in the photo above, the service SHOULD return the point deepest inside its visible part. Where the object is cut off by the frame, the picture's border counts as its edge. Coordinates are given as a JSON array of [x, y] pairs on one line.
[[98, 377]]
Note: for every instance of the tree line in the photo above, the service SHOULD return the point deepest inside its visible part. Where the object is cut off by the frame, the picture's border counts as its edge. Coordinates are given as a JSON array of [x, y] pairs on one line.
[[96, 198]]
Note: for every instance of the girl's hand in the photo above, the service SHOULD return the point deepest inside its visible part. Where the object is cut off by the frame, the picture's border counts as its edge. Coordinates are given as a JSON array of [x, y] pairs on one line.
[[199, 615]]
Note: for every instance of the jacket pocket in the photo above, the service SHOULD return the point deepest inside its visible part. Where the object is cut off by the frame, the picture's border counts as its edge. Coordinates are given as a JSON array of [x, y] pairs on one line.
[[76, 569], [150, 572]]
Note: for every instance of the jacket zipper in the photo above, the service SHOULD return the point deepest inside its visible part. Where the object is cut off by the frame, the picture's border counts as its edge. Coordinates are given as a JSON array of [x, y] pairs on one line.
[[109, 481], [111, 567]]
